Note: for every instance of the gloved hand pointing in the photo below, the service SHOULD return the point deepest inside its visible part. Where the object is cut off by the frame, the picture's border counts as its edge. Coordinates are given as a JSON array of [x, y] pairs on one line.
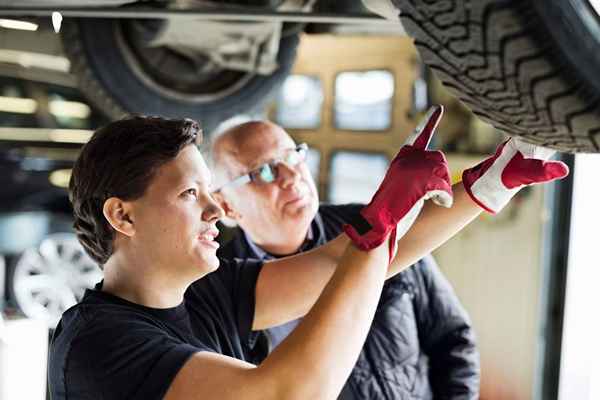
[[516, 164], [414, 175]]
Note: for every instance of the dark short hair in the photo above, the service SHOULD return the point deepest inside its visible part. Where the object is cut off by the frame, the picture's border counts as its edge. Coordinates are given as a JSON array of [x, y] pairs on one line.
[[120, 160]]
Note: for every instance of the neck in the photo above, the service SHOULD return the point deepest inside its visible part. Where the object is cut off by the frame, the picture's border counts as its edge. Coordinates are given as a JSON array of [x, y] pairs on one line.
[[140, 284]]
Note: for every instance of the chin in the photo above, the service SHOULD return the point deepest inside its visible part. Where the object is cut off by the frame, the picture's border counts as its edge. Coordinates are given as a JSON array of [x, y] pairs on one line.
[[204, 265], [213, 264]]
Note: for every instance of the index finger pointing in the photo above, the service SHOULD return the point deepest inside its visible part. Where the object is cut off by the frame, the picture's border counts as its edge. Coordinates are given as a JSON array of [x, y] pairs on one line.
[[423, 133]]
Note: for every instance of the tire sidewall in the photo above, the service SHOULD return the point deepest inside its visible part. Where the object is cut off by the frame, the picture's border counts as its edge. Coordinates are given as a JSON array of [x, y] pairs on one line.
[[574, 27], [105, 62]]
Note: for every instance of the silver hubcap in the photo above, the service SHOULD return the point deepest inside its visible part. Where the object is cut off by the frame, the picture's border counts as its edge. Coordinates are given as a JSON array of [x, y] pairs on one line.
[[53, 277]]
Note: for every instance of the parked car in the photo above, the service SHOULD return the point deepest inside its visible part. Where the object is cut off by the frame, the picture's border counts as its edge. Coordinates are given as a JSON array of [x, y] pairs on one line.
[[528, 67], [46, 269]]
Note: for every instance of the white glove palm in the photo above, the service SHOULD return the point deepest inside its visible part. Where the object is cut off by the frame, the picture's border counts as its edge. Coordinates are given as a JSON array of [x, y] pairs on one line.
[[516, 164]]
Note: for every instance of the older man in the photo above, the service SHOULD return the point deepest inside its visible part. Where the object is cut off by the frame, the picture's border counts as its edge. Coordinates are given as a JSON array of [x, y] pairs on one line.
[[421, 343]]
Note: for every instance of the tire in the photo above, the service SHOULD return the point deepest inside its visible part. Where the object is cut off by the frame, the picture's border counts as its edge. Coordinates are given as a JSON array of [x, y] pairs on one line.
[[51, 272], [111, 76], [528, 67]]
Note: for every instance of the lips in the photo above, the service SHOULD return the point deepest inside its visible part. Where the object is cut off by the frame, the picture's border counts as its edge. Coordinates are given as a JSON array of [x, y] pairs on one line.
[[208, 238], [209, 235], [294, 200]]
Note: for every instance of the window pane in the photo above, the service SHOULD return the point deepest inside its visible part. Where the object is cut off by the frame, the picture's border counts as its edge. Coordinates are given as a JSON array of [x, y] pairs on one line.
[[313, 158], [355, 176], [363, 100], [299, 102]]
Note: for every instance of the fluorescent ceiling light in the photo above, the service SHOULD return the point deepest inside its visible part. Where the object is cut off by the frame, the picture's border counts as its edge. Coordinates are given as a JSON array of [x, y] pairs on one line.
[[16, 24], [77, 136], [56, 21], [69, 109], [17, 105], [60, 178], [27, 59], [70, 135]]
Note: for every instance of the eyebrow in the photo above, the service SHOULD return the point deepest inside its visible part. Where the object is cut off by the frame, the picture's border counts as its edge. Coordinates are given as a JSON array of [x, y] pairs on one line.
[[185, 183], [267, 160]]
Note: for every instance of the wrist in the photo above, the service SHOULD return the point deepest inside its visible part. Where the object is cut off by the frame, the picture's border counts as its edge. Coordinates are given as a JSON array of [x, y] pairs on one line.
[[486, 196]]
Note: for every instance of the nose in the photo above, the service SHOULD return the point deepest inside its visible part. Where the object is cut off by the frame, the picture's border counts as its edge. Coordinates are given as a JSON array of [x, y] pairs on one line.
[[212, 211], [287, 175]]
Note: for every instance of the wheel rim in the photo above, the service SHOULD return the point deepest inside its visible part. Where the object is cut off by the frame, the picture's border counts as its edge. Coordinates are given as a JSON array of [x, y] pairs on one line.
[[53, 277], [173, 74]]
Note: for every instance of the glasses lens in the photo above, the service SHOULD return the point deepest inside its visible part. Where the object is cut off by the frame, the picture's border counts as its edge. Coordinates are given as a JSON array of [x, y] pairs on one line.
[[266, 173]]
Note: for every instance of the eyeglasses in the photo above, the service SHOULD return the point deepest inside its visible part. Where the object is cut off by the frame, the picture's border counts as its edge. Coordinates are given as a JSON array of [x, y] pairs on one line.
[[268, 172]]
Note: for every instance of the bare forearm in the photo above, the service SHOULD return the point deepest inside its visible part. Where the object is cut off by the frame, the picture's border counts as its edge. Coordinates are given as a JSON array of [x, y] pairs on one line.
[[316, 359], [288, 288], [433, 228]]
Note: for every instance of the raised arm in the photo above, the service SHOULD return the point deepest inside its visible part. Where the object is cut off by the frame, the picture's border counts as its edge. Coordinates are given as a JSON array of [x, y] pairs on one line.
[[433, 228], [316, 359], [287, 288], [487, 186], [295, 283]]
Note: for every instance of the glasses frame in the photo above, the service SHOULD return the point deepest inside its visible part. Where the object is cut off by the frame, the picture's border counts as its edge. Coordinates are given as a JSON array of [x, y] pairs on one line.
[[247, 178]]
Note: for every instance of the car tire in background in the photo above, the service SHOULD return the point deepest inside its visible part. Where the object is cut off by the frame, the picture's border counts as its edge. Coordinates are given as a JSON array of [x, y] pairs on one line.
[[119, 77], [47, 269], [528, 67]]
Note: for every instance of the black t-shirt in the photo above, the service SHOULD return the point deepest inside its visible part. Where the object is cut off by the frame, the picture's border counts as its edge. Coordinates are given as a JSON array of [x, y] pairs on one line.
[[106, 347], [326, 225]]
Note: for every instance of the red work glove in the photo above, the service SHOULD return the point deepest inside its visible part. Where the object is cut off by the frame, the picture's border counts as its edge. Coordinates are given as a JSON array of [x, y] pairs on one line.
[[516, 164], [415, 175]]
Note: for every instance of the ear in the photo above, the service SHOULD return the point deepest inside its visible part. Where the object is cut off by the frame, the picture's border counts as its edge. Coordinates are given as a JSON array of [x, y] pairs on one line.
[[118, 214], [226, 206]]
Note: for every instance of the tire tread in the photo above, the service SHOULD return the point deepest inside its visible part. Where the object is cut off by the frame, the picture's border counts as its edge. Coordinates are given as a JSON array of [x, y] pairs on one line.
[[492, 55]]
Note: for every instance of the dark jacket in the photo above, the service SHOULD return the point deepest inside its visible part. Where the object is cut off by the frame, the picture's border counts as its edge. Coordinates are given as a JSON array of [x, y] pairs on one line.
[[421, 344]]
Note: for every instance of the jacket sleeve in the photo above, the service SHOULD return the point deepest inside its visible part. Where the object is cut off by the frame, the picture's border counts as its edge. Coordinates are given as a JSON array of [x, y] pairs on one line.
[[446, 335]]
